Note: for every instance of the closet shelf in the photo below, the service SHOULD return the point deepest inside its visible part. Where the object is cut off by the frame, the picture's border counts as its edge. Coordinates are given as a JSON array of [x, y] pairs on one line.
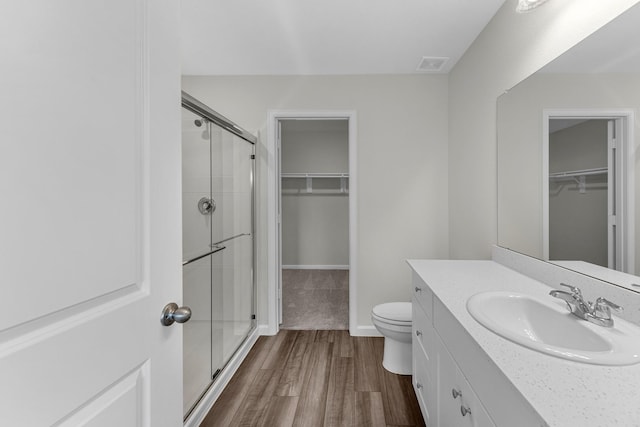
[[311, 176], [579, 176]]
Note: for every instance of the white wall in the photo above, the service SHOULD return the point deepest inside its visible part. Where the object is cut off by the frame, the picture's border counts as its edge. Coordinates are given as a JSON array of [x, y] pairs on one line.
[[508, 50], [402, 165]]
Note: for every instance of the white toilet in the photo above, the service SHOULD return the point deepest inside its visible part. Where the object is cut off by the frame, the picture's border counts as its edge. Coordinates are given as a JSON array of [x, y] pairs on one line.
[[393, 321]]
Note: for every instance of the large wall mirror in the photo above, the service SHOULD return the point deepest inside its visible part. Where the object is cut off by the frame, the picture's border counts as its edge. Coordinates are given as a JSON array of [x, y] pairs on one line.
[[568, 158]]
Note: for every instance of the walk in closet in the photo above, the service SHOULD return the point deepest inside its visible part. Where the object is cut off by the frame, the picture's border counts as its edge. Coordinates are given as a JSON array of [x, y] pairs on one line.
[[581, 192], [314, 206]]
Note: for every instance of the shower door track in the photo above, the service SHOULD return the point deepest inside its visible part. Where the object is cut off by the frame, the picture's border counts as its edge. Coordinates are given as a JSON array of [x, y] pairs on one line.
[[197, 107]]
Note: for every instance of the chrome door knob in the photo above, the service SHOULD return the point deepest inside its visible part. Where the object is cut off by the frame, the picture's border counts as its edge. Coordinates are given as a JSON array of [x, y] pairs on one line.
[[172, 313]]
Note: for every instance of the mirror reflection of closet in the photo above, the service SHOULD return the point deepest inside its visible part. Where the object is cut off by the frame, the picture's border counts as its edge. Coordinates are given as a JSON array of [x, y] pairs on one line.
[[314, 203], [585, 202]]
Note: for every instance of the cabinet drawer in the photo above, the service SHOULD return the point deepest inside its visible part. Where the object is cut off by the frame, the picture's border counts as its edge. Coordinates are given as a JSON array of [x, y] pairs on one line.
[[423, 332], [424, 385], [423, 295], [458, 405]]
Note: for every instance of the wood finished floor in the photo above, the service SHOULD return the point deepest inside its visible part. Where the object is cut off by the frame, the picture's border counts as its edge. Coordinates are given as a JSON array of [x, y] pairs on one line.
[[316, 378]]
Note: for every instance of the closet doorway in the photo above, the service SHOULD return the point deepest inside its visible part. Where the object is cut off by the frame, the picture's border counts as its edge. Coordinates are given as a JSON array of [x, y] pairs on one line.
[[588, 188], [315, 232]]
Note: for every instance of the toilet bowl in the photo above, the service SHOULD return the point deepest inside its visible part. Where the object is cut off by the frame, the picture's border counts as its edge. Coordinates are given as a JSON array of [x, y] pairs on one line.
[[393, 321]]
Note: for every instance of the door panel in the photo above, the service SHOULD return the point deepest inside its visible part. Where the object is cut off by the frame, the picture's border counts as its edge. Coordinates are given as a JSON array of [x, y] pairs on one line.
[[77, 173], [90, 217]]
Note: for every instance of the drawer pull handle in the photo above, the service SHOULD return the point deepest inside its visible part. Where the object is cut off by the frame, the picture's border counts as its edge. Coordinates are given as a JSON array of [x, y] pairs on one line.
[[418, 333], [418, 385], [464, 411], [456, 393], [418, 289]]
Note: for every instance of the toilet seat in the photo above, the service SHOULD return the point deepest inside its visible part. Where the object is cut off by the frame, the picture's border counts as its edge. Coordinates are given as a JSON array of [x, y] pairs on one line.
[[394, 313]]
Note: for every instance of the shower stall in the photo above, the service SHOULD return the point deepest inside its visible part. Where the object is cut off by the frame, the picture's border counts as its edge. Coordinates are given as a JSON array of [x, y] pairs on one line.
[[218, 162]]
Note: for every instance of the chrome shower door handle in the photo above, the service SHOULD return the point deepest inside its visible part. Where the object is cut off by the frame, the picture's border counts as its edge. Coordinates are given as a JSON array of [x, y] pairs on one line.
[[172, 313]]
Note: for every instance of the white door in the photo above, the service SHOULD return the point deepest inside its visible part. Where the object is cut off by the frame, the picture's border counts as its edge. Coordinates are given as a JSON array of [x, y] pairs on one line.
[[90, 245], [279, 222], [615, 197]]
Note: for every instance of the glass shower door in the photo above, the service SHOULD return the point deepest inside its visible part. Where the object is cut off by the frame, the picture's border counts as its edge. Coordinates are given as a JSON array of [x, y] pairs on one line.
[[218, 250], [196, 272], [232, 229]]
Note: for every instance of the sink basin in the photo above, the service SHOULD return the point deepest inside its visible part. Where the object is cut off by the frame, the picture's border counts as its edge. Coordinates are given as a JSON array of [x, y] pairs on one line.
[[545, 325]]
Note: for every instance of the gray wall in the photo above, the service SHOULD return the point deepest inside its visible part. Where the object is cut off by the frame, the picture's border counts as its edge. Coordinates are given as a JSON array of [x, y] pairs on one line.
[[401, 157], [509, 49], [578, 221], [315, 227]]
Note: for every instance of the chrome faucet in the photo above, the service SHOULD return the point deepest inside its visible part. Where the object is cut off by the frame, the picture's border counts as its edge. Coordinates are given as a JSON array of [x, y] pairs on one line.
[[598, 312]]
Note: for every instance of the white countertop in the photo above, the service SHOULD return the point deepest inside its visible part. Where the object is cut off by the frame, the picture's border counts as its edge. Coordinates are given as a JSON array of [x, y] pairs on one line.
[[563, 392]]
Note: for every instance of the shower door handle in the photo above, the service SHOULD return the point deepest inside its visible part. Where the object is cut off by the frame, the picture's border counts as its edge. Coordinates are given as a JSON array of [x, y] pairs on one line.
[[172, 313]]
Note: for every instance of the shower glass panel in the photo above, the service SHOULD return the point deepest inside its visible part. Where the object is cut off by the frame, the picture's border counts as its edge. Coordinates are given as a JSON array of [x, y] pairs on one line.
[[197, 275], [231, 183], [218, 250], [232, 305], [197, 332]]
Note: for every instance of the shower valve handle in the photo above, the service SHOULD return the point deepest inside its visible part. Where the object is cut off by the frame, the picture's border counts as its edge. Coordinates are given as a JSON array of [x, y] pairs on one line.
[[206, 205]]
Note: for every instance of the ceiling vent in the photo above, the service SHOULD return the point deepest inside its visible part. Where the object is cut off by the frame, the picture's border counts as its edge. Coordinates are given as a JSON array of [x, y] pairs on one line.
[[432, 63]]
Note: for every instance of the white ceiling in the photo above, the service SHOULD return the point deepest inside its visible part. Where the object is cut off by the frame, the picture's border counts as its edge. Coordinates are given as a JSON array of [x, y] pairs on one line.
[[266, 37]]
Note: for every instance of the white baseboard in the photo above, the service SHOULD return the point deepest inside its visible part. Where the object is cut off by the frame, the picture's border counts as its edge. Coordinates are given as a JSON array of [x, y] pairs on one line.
[[210, 397], [315, 267], [266, 330], [364, 331], [358, 331]]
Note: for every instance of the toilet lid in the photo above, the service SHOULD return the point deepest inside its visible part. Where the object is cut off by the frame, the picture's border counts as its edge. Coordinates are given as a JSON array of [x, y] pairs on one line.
[[396, 311]]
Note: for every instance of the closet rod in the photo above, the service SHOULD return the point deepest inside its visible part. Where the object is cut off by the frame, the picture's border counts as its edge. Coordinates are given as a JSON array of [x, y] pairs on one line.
[[583, 172], [314, 175]]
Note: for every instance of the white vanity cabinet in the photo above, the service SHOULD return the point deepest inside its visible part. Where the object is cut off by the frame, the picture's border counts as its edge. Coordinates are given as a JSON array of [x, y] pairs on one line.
[[424, 357], [458, 405], [446, 360]]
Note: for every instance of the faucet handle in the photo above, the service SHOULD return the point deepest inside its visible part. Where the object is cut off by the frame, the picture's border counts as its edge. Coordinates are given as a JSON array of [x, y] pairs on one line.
[[604, 305], [575, 290]]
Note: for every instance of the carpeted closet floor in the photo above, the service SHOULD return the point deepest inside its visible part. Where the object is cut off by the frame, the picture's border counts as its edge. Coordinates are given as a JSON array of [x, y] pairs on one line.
[[315, 299]]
